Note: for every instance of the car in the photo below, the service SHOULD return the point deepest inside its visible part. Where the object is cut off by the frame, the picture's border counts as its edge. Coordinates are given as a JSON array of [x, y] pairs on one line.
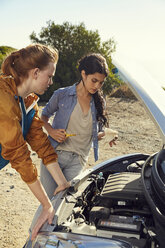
[[121, 201]]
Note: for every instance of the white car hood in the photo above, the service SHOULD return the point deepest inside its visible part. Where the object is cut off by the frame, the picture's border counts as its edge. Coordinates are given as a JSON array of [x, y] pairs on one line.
[[145, 88]]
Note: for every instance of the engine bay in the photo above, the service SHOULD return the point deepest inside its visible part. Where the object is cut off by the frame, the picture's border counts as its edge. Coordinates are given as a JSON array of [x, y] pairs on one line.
[[113, 205]]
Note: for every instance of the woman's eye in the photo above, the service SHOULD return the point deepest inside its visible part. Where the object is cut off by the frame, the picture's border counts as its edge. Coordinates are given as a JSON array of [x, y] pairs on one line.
[[94, 81]]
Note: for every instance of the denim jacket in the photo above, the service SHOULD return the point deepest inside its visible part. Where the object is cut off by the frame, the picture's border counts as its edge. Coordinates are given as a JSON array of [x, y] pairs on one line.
[[62, 104]]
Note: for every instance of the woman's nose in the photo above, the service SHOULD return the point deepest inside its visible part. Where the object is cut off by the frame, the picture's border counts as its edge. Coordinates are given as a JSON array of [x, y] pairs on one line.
[[51, 81], [98, 85]]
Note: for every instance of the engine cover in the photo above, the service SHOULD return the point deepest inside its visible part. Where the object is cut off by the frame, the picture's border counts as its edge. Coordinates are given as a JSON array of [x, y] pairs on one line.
[[123, 187]]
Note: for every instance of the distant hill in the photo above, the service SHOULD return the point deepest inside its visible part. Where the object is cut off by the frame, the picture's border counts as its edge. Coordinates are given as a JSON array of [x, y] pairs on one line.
[[122, 92], [4, 51]]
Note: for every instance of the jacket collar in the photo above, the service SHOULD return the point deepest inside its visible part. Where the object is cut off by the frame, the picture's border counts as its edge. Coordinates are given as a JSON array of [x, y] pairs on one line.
[[72, 89], [8, 84]]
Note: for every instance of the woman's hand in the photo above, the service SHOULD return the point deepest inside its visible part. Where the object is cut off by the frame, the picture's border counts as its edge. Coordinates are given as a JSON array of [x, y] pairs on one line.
[[47, 214], [101, 135], [109, 136], [58, 135], [112, 142], [58, 176], [62, 187]]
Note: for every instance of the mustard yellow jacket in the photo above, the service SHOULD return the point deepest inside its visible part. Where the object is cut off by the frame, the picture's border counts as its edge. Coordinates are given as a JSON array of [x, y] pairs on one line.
[[14, 146]]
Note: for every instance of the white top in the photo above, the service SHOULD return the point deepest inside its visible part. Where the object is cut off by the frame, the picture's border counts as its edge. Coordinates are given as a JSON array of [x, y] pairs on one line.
[[81, 125]]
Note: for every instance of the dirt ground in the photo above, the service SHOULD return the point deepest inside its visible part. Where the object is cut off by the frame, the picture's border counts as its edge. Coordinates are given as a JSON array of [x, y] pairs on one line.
[[137, 133]]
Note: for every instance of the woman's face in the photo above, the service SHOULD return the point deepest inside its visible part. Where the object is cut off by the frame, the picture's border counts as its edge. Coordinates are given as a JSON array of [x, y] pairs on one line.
[[93, 82], [44, 78]]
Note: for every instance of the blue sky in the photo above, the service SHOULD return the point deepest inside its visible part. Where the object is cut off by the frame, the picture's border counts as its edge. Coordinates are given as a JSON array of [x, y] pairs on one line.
[[138, 26]]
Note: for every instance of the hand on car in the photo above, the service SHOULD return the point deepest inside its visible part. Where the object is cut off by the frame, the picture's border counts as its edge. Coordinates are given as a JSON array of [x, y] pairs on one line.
[[62, 187], [47, 214]]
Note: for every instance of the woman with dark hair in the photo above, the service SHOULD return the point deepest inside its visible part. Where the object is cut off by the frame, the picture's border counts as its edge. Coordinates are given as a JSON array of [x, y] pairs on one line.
[[78, 110], [26, 71]]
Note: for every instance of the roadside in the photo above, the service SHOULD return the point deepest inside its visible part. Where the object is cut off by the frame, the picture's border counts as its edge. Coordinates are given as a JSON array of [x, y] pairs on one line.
[[17, 204]]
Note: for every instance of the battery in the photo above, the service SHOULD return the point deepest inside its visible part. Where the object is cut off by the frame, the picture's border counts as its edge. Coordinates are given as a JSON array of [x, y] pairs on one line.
[[119, 226]]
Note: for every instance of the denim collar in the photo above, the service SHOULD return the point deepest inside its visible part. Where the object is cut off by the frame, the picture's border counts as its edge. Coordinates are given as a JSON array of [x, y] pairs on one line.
[[72, 91]]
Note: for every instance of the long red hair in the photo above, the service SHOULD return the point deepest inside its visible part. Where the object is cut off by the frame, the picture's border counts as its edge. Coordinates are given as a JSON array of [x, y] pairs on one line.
[[19, 63]]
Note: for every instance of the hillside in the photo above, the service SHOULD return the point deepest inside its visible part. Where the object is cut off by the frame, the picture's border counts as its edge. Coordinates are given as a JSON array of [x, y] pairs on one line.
[[4, 51]]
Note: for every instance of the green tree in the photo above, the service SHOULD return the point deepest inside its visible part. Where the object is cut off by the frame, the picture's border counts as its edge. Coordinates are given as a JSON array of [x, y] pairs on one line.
[[73, 42], [4, 51]]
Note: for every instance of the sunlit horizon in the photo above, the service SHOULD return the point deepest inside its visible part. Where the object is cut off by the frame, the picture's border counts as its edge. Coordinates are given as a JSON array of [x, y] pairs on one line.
[[137, 26]]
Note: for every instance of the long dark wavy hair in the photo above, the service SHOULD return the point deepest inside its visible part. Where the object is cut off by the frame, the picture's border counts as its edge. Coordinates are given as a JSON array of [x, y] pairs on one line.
[[91, 64]]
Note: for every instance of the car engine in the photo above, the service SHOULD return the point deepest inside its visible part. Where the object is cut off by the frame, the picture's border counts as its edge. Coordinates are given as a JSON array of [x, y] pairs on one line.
[[121, 209], [114, 205]]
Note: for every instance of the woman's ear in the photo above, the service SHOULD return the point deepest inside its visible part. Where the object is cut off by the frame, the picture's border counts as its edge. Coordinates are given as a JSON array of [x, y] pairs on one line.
[[35, 73], [83, 74]]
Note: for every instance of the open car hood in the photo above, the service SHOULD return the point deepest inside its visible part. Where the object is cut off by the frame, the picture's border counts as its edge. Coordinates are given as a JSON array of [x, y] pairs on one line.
[[145, 88]]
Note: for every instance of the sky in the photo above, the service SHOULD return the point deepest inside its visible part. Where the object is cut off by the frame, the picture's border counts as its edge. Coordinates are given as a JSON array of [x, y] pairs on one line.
[[137, 26]]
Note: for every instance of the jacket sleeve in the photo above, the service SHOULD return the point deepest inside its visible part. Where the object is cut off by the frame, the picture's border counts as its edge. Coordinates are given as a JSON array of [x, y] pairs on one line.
[[39, 142], [14, 147]]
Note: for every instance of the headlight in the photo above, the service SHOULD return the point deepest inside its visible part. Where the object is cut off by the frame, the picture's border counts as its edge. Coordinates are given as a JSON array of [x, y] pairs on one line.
[[70, 240], [44, 241]]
